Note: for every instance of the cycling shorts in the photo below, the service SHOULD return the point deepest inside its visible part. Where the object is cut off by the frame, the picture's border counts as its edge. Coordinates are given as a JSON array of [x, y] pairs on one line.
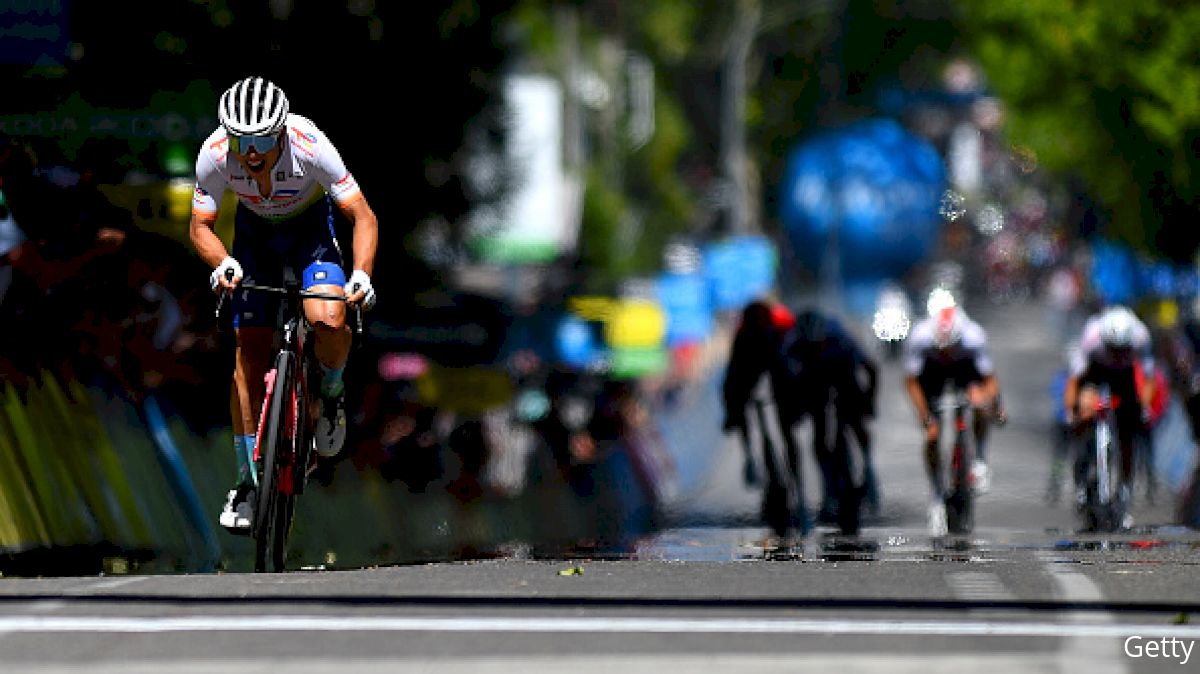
[[303, 247]]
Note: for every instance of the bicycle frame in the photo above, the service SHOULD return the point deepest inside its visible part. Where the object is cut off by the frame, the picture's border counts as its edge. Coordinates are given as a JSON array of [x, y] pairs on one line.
[[960, 516]]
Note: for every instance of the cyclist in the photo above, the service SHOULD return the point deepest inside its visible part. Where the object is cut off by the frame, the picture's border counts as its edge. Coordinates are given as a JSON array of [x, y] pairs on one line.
[[290, 184], [1114, 349], [947, 348], [755, 352], [827, 366]]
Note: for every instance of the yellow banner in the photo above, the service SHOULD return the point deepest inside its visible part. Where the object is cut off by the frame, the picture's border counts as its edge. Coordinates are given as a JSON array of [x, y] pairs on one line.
[[165, 208], [466, 390]]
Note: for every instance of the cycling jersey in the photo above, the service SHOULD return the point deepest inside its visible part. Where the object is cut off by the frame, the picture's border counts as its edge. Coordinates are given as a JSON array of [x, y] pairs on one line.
[[309, 166], [962, 363]]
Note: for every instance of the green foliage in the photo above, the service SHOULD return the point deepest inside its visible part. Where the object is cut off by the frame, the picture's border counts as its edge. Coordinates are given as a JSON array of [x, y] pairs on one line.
[[635, 199], [666, 28], [603, 207], [1109, 91]]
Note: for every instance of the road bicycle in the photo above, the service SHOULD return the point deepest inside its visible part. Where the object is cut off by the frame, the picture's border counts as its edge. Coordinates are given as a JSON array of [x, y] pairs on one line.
[[284, 444], [1102, 509], [960, 497]]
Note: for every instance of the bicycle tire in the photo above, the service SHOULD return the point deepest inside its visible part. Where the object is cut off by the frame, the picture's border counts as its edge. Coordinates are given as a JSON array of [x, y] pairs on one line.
[[960, 503], [776, 504], [269, 535]]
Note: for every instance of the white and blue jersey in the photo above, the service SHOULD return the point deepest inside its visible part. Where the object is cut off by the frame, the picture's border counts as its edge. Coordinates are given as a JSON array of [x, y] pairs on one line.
[[292, 227]]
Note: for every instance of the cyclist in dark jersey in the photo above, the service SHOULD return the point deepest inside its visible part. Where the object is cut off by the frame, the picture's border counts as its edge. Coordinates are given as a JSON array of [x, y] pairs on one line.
[[755, 352], [1114, 350], [826, 366]]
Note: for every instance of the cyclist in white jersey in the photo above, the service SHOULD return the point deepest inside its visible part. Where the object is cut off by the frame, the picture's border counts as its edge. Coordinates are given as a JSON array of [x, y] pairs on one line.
[[288, 178], [944, 350]]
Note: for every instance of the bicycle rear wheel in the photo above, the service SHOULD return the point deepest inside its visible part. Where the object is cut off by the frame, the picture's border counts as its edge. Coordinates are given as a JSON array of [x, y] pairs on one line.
[[272, 517]]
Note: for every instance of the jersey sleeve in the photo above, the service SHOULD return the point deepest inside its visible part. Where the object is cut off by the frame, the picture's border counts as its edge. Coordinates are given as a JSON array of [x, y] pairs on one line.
[[975, 339], [1089, 341], [210, 186], [918, 341], [332, 174]]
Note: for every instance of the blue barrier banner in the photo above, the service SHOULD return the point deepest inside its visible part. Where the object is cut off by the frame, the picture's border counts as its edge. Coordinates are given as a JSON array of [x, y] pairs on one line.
[[739, 270], [685, 299]]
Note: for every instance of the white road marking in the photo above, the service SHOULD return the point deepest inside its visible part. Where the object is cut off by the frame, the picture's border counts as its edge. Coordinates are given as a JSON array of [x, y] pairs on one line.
[[118, 582], [615, 625], [1073, 586], [977, 585]]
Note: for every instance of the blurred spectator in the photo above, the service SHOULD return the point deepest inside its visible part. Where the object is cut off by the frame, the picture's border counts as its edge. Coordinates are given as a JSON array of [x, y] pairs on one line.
[[469, 443], [563, 429], [72, 232], [1063, 291]]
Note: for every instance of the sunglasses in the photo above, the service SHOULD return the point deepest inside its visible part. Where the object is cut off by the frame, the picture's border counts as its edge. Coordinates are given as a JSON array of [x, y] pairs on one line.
[[260, 144]]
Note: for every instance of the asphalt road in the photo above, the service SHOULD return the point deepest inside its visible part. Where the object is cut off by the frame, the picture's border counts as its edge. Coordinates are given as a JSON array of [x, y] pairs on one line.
[[1025, 592]]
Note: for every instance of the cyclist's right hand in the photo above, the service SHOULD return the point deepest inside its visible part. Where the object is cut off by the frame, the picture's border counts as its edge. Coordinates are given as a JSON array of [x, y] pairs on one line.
[[221, 280]]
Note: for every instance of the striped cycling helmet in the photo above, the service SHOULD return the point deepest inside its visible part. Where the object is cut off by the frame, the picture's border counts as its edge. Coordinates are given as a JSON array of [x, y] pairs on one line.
[[253, 107]]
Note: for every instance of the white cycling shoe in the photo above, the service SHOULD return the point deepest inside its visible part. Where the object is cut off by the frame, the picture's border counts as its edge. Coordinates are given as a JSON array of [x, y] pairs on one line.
[[331, 426], [981, 477], [238, 514], [937, 518]]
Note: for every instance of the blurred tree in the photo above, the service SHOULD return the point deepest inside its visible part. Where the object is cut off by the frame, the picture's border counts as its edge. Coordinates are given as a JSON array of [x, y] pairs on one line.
[[1110, 91], [635, 193]]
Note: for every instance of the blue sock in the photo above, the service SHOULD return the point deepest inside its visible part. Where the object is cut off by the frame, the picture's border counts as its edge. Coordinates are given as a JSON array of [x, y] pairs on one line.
[[331, 384], [244, 448]]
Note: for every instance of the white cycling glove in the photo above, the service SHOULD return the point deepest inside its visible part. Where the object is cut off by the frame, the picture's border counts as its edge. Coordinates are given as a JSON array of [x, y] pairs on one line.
[[360, 281], [217, 274]]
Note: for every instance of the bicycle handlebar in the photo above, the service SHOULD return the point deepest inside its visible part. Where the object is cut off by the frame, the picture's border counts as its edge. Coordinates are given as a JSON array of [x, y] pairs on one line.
[[302, 294], [960, 401]]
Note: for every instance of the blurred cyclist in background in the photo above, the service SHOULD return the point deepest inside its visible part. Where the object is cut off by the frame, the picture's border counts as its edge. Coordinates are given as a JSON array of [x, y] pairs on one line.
[[948, 349], [1114, 349], [755, 352], [291, 184], [827, 367]]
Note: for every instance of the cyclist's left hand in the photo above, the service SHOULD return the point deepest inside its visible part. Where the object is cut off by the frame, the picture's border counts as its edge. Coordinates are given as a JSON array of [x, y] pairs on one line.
[[359, 289]]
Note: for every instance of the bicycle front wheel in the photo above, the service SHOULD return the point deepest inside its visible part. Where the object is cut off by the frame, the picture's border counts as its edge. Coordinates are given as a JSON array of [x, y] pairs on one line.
[[272, 517], [960, 504]]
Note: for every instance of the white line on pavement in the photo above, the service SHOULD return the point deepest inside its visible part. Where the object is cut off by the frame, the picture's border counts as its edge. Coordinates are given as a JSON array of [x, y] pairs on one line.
[[317, 623]]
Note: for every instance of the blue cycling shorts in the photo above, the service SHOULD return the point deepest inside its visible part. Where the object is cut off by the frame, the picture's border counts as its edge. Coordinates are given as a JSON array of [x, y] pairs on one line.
[[304, 246]]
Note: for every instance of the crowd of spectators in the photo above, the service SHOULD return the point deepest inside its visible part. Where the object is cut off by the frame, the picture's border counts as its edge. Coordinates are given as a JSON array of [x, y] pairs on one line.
[[89, 297]]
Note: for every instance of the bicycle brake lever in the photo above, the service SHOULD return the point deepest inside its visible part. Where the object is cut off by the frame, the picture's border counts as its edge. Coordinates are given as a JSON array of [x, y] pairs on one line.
[[224, 293]]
